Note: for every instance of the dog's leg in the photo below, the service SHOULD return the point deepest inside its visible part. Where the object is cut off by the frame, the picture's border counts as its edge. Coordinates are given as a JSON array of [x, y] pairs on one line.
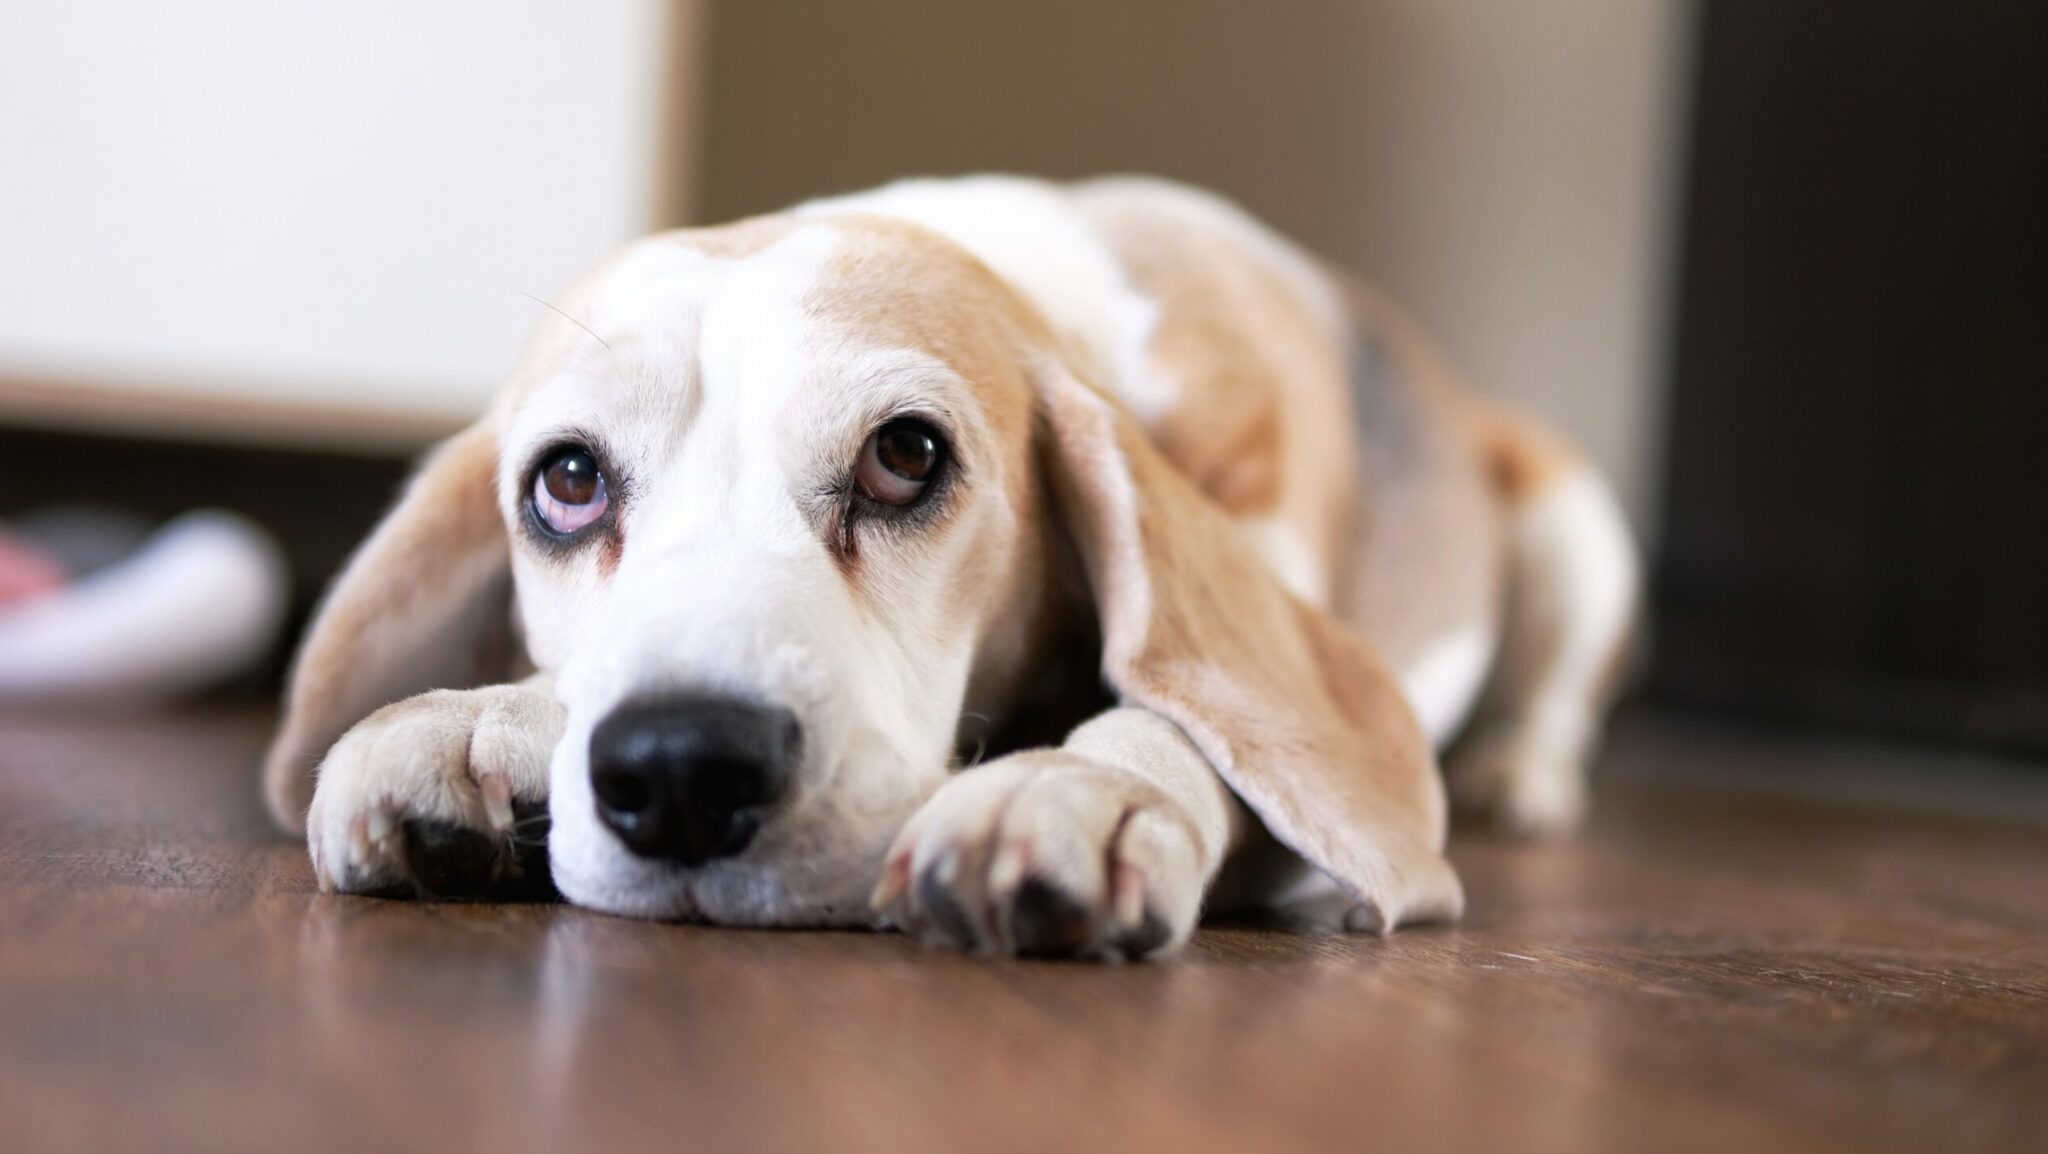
[[1099, 848], [1572, 586], [443, 794]]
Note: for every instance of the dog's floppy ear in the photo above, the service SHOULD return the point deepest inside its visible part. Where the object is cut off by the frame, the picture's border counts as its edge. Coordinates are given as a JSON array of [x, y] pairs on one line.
[[1294, 712], [424, 604]]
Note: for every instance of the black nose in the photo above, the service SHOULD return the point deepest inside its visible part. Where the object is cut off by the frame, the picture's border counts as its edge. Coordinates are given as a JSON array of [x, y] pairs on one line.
[[688, 779]]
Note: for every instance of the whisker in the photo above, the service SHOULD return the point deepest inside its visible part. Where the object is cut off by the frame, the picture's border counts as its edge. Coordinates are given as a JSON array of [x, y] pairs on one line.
[[550, 306]]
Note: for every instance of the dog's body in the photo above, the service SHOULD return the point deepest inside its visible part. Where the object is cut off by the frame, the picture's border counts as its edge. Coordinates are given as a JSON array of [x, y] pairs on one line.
[[1119, 420]]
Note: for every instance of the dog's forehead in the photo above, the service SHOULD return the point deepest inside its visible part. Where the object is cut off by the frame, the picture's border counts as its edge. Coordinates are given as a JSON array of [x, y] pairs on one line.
[[665, 311], [900, 284], [661, 285]]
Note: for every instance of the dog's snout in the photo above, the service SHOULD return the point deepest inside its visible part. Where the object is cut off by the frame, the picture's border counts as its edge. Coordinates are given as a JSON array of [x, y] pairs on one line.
[[690, 779]]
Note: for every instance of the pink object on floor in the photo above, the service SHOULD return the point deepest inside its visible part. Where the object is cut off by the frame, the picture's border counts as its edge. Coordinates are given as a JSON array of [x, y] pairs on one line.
[[200, 601], [26, 571]]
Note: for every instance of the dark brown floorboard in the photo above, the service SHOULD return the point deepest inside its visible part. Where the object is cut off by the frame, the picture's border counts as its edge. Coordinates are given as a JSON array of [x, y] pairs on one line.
[[1760, 945]]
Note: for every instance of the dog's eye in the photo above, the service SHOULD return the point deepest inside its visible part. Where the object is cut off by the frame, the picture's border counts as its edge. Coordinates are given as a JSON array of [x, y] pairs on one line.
[[568, 490], [899, 460]]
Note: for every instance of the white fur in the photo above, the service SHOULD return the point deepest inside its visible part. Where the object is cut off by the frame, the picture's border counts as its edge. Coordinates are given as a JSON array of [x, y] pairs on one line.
[[1572, 594], [1215, 215], [1588, 576], [1028, 233], [728, 415], [1444, 682], [1289, 557]]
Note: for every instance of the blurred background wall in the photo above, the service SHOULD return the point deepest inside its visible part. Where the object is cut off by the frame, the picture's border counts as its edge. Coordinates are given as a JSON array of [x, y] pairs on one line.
[[322, 215], [337, 212], [1504, 168], [1777, 265]]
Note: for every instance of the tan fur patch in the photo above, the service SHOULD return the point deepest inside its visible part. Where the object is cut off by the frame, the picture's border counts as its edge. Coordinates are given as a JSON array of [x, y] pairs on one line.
[[892, 284], [1260, 418], [1522, 457], [739, 239]]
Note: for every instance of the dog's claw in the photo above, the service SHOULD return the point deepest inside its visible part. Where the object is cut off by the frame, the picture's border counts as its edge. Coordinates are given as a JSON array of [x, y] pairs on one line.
[[497, 799], [1007, 868], [323, 879], [895, 880], [359, 837], [1366, 918], [1151, 933], [1127, 897]]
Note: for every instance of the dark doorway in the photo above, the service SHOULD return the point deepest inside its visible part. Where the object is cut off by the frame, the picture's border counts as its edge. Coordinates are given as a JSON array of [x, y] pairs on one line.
[[1859, 433]]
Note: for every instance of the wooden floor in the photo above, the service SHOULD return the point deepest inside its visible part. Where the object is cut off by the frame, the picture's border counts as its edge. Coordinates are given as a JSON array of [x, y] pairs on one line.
[[1759, 946]]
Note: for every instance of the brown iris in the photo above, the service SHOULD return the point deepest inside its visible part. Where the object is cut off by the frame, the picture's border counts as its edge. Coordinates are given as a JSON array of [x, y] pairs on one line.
[[899, 460], [569, 490]]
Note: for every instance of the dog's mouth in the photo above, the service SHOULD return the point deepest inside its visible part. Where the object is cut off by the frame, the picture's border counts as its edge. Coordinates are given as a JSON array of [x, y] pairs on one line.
[[800, 867], [803, 850], [734, 893]]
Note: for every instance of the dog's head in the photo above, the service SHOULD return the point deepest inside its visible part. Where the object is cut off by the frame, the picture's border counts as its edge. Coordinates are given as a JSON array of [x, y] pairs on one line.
[[781, 504], [767, 531]]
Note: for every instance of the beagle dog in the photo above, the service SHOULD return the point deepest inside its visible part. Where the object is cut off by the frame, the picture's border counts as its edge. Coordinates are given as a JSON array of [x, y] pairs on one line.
[[769, 588]]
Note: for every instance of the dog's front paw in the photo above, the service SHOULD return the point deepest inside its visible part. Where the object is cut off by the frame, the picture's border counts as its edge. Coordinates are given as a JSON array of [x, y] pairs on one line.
[[1046, 854], [440, 795]]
